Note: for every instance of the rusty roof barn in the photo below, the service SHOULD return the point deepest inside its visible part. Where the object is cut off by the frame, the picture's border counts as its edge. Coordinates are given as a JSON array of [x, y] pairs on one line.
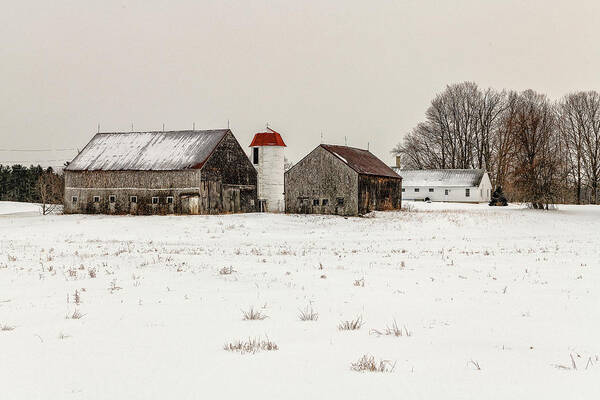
[[341, 180], [182, 172]]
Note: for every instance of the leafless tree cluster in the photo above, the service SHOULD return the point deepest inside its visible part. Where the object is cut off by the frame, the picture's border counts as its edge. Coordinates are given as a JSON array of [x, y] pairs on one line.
[[539, 151]]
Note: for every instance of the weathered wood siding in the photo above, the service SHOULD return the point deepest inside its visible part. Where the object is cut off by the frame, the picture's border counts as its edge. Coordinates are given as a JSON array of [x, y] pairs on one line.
[[321, 176], [228, 180], [376, 193], [225, 183]]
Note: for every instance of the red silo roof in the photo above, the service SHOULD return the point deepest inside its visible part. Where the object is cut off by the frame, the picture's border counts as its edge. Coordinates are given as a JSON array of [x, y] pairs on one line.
[[270, 138]]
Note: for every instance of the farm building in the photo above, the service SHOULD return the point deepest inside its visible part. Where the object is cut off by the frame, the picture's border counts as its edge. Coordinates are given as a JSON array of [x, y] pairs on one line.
[[341, 180], [181, 172], [452, 185], [267, 157]]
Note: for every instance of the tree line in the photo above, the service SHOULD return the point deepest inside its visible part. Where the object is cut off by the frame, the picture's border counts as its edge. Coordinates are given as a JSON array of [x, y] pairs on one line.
[[32, 184], [539, 151]]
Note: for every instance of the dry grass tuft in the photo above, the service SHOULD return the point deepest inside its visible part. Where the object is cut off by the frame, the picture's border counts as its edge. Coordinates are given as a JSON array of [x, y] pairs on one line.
[[92, 272], [393, 330], [308, 314], [226, 271], [76, 315], [367, 363], [6, 328], [253, 315], [251, 346], [360, 282], [352, 325]]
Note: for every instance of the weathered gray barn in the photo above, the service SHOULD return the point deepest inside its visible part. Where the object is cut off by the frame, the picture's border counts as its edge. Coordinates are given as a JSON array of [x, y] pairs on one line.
[[341, 180], [180, 172]]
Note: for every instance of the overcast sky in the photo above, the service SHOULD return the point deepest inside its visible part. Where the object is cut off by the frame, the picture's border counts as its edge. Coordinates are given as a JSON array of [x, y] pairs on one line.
[[365, 70]]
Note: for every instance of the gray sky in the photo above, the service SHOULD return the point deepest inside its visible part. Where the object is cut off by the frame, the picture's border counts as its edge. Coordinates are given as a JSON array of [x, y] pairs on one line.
[[362, 69]]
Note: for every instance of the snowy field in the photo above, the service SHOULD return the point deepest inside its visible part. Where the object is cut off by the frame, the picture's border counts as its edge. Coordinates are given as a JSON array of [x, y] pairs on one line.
[[492, 303]]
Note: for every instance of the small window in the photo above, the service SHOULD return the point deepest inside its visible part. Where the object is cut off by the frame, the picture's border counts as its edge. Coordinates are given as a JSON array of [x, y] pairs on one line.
[[96, 199], [169, 199], [467, 192], [430, 190], [74, 199], [229, 156], [416, 189], [133, 199], [315, 202], [340, 201], [155, 200], [403, 190], [112, 198], [446, 192], [255, 155], [325, 202]]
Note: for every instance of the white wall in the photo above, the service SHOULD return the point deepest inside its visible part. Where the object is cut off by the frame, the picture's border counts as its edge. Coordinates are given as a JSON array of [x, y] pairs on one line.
[[270, 170], [477, 194]]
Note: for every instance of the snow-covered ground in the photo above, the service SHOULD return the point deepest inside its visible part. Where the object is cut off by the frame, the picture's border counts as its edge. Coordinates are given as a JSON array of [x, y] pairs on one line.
[[14, 207], [501, 303]]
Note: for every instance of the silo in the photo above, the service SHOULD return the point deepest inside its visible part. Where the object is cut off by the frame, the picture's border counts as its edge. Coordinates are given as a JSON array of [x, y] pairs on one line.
[[268, 159]]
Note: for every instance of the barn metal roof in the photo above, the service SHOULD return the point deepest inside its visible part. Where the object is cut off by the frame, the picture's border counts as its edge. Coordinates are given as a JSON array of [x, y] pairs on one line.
[[270, 138], [360, 160], [147, 151], [441, 177]]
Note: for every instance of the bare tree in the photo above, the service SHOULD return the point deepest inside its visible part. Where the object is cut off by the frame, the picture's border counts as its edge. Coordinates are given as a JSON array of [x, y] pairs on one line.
[[579, 124], [538, 161], [50, 188]]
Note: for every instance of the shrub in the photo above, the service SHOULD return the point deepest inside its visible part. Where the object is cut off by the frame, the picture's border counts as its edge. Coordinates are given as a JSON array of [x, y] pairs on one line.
[[226, 271]]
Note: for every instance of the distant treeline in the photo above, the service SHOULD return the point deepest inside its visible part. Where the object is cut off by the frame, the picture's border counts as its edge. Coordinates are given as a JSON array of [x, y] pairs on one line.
[[538, 150], [29, 184]]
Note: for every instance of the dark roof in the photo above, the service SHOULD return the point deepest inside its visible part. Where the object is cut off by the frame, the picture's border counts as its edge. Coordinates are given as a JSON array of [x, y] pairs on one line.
[[362, 161], [441, 177], [147, 151], [270, 138]]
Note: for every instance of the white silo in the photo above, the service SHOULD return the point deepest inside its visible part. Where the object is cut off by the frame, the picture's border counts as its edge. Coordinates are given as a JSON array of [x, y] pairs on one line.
[[268, 159]]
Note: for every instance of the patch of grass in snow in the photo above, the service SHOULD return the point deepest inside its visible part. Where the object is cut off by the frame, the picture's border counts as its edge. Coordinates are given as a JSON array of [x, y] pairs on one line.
[[393, 330], [6, 327], [253, 315], [308, 314], [352, 325], [75, 315], [251, 346], [226, 271], [367, 363]]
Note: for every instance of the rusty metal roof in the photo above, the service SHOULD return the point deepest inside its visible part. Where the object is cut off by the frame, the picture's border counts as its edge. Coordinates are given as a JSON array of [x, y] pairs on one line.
[[270, 138], [441, 177], [147, 151], [360, 160]]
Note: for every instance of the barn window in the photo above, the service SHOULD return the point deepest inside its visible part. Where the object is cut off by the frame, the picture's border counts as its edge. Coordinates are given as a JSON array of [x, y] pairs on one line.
[[74, 199], [446, 192], [325, 202], [467, 192], [255, 155], [430, 190], [403, 190], [315, 202], [229, 156], [416, 189], [96, 199], [169, 199], [155, 200], [112, 198], [133, 199], [340, 201]]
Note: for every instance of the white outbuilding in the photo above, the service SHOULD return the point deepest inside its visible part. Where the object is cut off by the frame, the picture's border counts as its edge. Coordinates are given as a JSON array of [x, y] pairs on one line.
[[268, 159], [452, 185]]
